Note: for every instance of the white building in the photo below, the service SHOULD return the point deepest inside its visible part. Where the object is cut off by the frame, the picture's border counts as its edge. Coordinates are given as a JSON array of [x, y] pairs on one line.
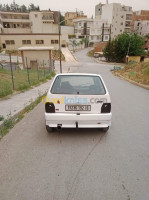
[[141, 27], [37, 28], [98, 10], [118, 16], [95, 30]]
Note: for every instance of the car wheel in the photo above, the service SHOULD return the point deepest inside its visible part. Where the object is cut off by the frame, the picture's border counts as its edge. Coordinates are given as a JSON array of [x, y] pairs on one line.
[[49, 129], [105, 129]]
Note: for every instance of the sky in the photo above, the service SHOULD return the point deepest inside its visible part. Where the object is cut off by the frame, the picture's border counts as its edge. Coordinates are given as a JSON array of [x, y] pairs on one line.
[[87, 6]]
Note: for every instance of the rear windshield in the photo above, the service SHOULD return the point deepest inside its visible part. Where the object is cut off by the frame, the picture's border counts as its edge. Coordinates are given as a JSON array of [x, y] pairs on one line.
[[78, 84]]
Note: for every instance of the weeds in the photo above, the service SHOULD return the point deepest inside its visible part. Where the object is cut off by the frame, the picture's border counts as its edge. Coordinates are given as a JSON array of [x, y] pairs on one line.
[[1, 118], [138, 72], [10, 122], [21, 80]]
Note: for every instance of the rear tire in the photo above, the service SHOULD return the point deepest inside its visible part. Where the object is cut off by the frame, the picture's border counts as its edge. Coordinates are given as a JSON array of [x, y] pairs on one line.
[[105, 129], [49, 129]]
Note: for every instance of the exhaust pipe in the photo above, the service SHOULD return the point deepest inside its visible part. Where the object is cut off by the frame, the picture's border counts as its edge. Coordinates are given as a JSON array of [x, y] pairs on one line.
[[59, 127]]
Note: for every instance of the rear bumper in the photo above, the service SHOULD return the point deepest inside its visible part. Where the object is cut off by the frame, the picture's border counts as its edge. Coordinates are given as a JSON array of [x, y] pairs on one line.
[[66, 120]]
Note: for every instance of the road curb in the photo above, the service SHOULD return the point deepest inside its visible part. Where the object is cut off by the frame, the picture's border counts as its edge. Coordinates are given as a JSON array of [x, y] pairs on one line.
[[131, 81]]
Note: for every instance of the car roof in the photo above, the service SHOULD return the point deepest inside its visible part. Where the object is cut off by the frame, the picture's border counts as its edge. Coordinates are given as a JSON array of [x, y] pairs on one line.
[[85, 74]]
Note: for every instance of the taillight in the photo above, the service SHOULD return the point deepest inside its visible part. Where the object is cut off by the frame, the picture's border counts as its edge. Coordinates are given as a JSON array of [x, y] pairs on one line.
[[50, 108], [106, 108]]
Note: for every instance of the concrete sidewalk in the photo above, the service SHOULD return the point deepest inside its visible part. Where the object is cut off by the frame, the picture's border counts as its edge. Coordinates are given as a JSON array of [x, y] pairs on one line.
[[18, 102]]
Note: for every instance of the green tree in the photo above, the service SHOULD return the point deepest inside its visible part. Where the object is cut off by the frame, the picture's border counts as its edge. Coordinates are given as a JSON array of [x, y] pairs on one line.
[[85, 41], [7, 7], [62, 18], [81, 43], [122, 45], [32, 7], [109, 51], [73, 43], [146, 36], [23, 8]]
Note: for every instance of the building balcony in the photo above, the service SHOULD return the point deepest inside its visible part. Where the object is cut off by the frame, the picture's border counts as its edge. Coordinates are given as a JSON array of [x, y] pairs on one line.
[[46, 18], [14, 20], [16, 30]]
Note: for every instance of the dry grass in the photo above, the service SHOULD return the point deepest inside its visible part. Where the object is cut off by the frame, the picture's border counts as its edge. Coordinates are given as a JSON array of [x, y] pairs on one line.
[[138, 72]]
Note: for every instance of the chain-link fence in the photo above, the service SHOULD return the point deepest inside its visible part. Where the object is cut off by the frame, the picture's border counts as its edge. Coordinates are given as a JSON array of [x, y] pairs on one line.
[[15, 77]]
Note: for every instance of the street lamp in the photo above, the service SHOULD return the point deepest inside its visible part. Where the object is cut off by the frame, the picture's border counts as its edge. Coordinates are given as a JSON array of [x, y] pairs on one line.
[[127, 56], [60, 59]]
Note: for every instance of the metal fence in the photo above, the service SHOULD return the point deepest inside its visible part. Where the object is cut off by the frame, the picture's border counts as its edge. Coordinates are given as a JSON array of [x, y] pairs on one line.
[[33, 72]]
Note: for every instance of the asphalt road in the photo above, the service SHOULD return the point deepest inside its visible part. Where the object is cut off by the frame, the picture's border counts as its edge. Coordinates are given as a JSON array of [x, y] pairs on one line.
[[81, 164]]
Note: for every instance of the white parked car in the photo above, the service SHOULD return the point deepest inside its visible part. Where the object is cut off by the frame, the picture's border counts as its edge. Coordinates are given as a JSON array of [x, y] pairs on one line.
[[77, 100]]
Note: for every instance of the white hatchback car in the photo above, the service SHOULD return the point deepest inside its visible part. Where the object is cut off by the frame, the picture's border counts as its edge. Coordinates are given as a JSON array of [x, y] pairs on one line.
[[77, 100]]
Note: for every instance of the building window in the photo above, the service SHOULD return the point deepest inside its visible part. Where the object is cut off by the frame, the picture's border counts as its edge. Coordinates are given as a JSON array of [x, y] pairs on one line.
[[106, 37], [9, 42], [80, 24], [97, 37], [39, 42], [121, 23], [26, 41], [54, 41], [92, 37]]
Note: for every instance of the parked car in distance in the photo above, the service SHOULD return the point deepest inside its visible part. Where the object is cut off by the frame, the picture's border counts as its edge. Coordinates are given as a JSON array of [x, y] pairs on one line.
[[98, 54], [77, 100]]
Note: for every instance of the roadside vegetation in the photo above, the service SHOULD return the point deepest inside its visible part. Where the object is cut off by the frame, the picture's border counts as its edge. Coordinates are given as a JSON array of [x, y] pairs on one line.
[[10, 122], [91, 53], [56, 55], [138, 72], [13, 52], [21, 82], [124, 44]]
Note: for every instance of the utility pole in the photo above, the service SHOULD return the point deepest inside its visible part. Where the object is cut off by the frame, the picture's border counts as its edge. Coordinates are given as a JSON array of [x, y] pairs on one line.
[[102, 32]]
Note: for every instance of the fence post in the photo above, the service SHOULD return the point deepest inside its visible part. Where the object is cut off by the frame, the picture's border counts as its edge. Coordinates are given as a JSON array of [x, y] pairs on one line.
[[49, 65], [44, 68], [27, 71], [37, 71], [11, 72]]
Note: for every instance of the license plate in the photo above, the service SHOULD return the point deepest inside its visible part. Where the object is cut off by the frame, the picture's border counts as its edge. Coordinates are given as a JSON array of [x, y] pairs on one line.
[[78, 108]]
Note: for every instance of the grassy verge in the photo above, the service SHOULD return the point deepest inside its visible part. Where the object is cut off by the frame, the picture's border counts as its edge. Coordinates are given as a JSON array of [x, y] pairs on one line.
[[21, 80], [91, 53], [56, 55], [11, 121], [138, 72]]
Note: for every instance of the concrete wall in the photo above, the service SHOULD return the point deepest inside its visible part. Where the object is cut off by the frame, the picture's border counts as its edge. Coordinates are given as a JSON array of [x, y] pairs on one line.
[[16, 30], [142, 27], [146, 60], [42, 26], [134, 58], [18, 40], [65, 31], [38, 56]]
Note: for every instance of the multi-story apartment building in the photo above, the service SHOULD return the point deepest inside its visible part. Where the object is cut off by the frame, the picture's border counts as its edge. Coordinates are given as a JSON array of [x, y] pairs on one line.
[[141, 27], [120, 17], [98, 10], [25, 29], [137, 21], [94, 29], [70, 16]]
